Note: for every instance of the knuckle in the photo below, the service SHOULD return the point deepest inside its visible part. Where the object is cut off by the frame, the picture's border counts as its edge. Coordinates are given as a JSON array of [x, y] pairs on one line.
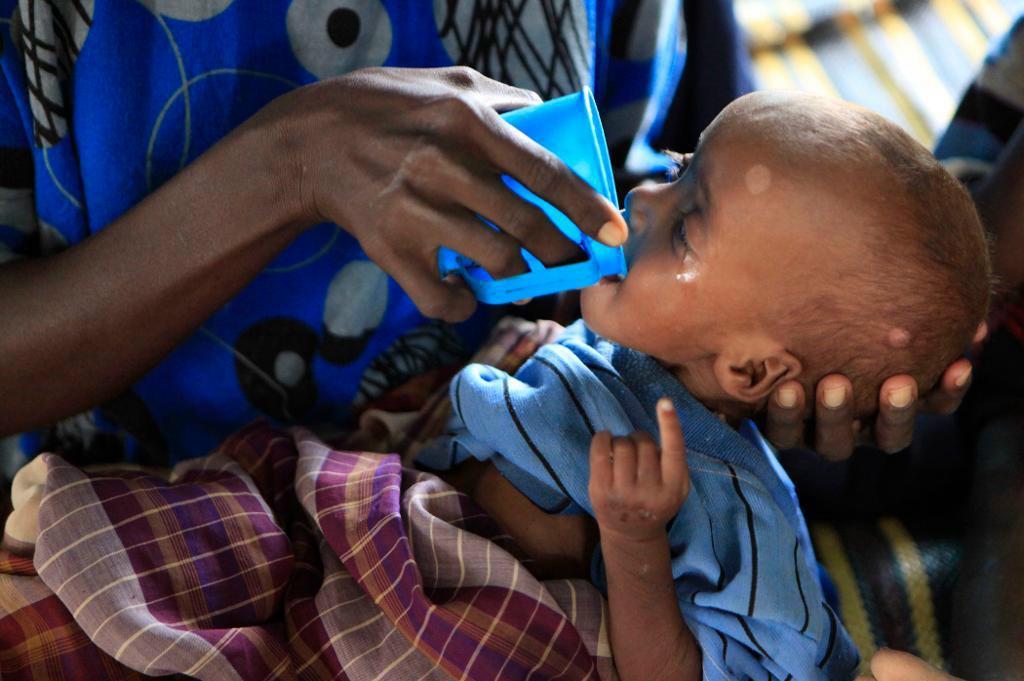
[[424, 162], [461, 76], [514, 222], [376, 246], [433, 306], [459, 109], [531, 95], [543, 173], [523, 220], [506, 260]]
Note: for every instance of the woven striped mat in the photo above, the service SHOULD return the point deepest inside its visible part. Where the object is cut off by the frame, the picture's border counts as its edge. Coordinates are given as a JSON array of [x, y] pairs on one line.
[[909, 60], [894, 582]]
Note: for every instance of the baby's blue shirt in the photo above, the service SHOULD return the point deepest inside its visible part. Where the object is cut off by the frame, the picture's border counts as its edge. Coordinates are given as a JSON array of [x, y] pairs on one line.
[[741, 556]]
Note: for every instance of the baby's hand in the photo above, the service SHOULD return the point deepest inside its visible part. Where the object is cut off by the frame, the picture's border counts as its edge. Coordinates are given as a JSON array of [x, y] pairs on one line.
[[634, 487]]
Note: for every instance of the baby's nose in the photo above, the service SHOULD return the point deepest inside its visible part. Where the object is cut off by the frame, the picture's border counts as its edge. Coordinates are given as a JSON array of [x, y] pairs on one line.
[[635, 209]]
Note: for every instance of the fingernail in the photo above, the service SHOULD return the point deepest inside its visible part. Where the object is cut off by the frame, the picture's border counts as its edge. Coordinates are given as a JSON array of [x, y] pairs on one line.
[[964, 377], [786, 397], [665, 405], [834, 397], [901, 397], [611, 234]]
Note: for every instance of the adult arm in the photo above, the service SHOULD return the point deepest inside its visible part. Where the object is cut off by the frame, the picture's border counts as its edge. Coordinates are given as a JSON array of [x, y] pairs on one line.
[[1000, 200], [400, 158], [989, 598], [82, 325]]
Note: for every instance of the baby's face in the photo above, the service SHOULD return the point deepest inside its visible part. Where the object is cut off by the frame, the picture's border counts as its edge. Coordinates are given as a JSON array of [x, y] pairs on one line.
[[721, 251]]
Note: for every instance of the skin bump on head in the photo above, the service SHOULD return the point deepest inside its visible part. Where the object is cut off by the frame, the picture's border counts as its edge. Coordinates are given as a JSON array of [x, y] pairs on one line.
[[757, 179]]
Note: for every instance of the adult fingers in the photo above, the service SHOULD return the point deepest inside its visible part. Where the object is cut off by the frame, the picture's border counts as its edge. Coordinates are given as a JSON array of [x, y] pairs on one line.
[[945, 398], [833, 413], [784, 420], [894, 665], [674, 473], [496, 252], [448, 299], [495, 94], [458, 178], [624, 465], [548, 177], [894, 426]]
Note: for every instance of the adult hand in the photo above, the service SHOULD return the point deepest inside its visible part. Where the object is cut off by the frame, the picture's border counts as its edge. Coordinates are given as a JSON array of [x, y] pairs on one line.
[[893, 665], [404, 159], [836, 432]]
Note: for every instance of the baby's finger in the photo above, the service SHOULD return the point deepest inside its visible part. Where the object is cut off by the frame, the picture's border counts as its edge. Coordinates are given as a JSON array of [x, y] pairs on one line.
[[648, 468], [600, 462], [624, 466], [834, 418], [674, 473], [784, 421]]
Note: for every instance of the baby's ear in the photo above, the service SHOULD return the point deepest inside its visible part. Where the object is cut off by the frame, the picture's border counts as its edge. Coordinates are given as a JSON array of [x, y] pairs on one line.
[[751, 376]]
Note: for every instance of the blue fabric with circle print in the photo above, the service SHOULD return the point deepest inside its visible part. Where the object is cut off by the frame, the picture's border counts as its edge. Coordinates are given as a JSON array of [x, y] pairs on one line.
[[102, 101]]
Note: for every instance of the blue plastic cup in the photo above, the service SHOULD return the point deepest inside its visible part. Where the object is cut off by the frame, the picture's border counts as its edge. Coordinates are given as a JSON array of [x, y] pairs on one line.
[[570, 128]]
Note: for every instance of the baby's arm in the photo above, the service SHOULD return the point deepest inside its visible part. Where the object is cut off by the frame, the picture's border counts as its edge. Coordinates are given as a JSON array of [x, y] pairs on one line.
[[635, 492]]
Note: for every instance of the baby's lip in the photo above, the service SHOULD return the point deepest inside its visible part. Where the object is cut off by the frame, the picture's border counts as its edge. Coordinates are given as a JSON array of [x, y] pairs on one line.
[[609, 279]]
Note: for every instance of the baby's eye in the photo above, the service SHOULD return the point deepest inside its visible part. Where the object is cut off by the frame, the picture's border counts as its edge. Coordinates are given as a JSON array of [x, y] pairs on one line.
[[680, 162], [680, 229]]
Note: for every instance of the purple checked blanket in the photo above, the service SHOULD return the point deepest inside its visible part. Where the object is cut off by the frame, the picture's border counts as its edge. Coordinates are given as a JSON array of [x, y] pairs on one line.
[[278, 557]]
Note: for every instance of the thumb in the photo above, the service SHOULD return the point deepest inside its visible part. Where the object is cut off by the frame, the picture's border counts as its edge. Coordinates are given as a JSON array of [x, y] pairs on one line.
[[894, 665]]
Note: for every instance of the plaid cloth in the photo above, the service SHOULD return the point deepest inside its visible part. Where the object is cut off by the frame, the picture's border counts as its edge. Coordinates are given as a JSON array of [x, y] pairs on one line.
[[280, 557]]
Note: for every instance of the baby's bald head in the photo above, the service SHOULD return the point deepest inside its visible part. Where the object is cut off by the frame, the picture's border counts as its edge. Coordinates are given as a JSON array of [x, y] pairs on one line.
[[905, 292]]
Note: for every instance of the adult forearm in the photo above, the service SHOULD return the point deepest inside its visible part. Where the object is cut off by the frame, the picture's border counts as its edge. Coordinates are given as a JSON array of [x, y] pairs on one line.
[[650, 640], [1000, 200], [988, 610], [80, 326]]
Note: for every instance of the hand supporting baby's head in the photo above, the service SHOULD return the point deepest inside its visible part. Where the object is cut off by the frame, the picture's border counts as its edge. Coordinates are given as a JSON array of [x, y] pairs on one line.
[[807, 236]]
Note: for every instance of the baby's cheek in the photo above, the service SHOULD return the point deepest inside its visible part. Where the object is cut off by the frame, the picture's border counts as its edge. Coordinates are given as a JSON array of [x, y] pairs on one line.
[[591, 305]]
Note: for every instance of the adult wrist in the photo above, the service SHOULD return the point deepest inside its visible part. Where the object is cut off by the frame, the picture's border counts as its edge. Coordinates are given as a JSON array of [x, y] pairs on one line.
[[266, 169]]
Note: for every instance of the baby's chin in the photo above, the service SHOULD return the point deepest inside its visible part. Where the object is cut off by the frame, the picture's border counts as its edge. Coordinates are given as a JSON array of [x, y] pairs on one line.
[[596, 310]]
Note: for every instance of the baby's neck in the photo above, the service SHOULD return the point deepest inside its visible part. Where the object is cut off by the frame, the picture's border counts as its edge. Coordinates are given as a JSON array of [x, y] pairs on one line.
[[699, 380]]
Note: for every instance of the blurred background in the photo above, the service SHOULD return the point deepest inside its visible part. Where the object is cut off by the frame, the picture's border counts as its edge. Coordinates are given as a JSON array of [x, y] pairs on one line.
[[908, 60]]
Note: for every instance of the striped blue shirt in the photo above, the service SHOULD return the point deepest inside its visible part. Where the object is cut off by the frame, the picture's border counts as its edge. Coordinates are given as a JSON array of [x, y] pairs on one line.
[[741, 556]]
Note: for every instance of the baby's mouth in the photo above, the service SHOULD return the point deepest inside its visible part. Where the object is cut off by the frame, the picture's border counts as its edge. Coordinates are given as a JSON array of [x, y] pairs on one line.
[[610, 279]]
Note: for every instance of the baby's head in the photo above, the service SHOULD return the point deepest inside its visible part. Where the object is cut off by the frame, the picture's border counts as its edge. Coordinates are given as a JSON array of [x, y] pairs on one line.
[[805, 236]]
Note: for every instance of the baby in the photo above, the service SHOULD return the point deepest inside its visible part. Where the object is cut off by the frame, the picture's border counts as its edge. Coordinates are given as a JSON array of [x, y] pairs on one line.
[[804, 236]]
